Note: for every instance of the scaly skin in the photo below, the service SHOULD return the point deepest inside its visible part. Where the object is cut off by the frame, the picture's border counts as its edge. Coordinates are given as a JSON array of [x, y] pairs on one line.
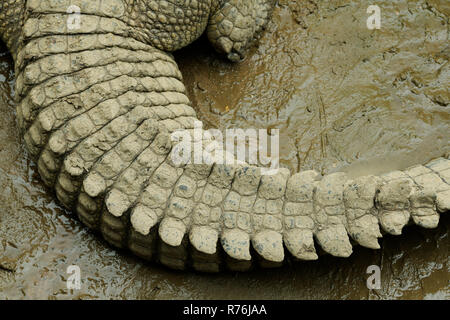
[[97, 106]]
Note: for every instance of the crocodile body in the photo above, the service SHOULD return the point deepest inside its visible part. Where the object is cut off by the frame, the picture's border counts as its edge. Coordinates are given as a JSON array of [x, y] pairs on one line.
[[97, 105]]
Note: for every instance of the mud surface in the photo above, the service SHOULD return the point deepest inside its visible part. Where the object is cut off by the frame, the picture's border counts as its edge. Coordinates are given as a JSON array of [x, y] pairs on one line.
[[343, 96]]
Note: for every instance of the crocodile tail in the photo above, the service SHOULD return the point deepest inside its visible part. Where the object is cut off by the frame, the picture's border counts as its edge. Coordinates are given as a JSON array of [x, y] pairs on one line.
[[98, 109]]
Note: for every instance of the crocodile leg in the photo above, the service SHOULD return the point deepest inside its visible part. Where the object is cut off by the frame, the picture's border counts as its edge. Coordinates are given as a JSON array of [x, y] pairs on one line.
[[11, 22], [233, 27]]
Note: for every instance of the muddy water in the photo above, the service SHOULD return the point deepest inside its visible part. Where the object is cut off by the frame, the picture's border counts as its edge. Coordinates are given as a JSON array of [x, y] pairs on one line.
[[344, 97]]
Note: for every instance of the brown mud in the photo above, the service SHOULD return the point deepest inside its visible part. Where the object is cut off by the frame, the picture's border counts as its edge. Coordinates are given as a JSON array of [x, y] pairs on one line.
[[344, 98]]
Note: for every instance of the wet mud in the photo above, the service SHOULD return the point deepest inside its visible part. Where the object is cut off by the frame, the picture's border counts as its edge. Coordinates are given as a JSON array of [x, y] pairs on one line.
[[344, 98]]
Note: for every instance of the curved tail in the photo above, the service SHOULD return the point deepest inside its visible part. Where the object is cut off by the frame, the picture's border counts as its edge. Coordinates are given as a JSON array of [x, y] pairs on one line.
[[98, 107]]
